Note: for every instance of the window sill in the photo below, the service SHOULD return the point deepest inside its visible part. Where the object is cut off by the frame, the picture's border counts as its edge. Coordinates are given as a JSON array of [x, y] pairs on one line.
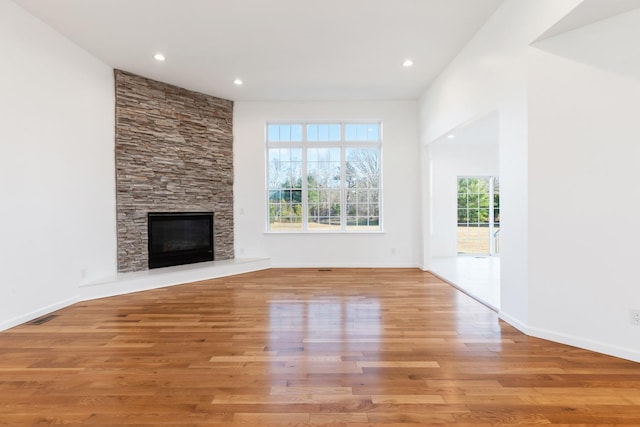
[[321, 233]]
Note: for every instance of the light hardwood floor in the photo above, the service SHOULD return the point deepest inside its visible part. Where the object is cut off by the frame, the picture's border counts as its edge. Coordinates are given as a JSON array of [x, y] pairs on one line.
[[347, 347]]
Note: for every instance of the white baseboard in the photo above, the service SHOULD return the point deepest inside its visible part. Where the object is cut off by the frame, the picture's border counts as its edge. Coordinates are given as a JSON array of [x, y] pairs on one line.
[[572, 340], [27, 317], [516, 323], [587, 344], [134, 282], [339, 265], [125, 283]]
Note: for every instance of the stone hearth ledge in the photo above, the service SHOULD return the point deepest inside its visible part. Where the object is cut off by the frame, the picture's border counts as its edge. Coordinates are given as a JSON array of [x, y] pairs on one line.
[[124, 283]]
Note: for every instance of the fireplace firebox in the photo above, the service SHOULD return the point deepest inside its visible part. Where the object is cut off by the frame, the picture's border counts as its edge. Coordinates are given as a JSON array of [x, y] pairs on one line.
[[177, 238]]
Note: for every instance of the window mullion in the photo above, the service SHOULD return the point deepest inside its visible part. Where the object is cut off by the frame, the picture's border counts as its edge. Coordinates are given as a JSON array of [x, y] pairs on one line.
[[343, 178], [305, 183], [491, 219], [343, 188]]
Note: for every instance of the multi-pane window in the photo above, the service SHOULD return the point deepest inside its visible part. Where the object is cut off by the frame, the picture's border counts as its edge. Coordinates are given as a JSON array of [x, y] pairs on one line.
[[285, 186], [324, 176], [478, 215]]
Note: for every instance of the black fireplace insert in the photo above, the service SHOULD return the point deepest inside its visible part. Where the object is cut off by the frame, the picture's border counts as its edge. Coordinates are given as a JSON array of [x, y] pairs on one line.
[[177, 238]]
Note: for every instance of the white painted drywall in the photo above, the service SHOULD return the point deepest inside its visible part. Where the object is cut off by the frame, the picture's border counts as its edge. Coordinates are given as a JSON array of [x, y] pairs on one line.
[[490, 74], [397, 246], [568, 155], [57, 174], [584, 152]]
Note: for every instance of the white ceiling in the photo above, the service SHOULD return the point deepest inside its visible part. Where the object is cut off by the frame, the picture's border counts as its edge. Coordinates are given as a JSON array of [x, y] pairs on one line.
[[282, 49], [588, 12], [612, 44]]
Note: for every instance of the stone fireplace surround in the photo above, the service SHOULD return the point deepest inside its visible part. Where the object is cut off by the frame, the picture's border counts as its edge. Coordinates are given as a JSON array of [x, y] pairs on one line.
[[174, 152]]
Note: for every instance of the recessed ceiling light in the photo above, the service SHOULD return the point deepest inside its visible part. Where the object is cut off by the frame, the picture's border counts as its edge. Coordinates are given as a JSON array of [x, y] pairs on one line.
[[407, 63], [159, 57], [451, 136], [238, 82]]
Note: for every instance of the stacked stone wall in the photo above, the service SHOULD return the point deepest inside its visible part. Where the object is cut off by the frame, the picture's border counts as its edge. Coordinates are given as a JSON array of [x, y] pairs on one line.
[[174, 153]]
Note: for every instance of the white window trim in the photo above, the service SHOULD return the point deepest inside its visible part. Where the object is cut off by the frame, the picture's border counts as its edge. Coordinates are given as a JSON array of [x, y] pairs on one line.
[[343, 145]]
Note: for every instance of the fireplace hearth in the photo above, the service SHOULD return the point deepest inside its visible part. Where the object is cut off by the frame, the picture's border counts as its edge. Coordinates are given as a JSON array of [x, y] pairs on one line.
[[177, 238]]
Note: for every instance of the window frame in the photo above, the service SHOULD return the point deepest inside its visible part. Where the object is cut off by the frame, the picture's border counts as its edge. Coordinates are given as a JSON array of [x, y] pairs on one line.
[[493, 221], [304, 144]]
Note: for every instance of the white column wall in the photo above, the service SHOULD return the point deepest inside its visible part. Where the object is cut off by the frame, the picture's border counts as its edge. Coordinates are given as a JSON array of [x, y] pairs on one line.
[[490, 74], [568, 126], [57, 182], [584, 153], [397, 246]]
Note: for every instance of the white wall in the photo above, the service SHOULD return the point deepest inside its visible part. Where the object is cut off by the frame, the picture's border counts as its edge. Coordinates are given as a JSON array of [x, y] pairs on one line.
[[57, 182], [568, 155], [398, 246], [584, 153], [490, 74], [448, 161]]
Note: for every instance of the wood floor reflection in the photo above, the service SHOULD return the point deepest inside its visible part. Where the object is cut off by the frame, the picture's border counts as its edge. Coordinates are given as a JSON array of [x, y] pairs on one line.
[[347, 347]]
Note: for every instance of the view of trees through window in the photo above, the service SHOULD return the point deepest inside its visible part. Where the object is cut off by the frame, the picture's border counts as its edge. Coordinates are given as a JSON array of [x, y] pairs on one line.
[[323, 176], [478, 215]]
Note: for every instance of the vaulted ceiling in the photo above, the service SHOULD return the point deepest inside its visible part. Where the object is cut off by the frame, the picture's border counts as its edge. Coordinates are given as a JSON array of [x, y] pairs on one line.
[[281, 49], [287, 49]]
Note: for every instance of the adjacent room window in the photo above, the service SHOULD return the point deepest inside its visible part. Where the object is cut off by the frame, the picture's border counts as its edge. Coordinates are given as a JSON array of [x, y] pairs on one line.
[[324, 176], [478, 215]]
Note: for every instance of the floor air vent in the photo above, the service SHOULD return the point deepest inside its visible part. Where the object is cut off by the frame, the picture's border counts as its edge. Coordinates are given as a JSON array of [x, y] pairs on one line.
[[43, 319]]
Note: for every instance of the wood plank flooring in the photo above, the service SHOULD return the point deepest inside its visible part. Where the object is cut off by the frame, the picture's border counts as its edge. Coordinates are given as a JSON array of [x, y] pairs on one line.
[[302, 347]]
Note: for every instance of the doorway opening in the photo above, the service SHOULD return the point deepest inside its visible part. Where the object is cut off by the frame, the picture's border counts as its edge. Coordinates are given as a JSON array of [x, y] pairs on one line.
[[478, 215]]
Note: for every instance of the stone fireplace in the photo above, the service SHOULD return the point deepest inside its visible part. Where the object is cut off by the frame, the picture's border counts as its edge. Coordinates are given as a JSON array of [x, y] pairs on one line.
[[174, 153]]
